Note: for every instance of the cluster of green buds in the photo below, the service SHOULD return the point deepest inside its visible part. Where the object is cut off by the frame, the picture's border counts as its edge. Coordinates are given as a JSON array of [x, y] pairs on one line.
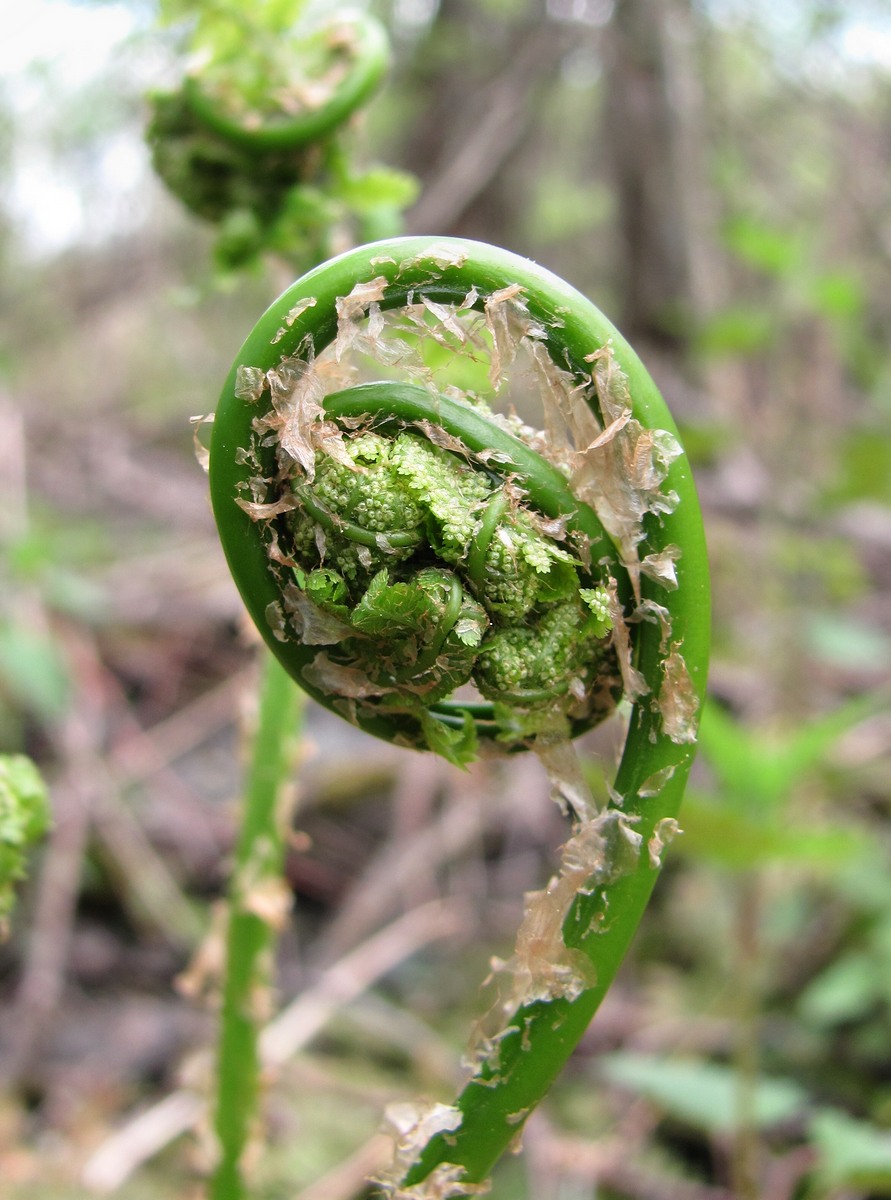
[[423, 569], [252, 143]]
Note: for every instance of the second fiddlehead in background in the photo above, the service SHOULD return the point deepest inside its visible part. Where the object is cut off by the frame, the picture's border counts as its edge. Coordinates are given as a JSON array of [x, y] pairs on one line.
[[253, 138], [448, 577]]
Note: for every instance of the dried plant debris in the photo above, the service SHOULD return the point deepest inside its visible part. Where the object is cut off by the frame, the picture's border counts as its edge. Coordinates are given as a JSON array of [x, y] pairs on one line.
[[201, 451], [419, 568], [678, 702], [412, 1124], [665, 831], [443, 1183], [602, 850]]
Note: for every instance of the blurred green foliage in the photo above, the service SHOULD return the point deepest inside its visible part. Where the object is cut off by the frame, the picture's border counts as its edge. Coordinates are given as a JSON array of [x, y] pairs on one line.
[[24, 819]]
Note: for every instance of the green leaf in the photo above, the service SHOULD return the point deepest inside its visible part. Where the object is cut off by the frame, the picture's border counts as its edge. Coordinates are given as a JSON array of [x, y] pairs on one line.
[[328, 590], [32, 671], [735, 838], [851, 1153], [758, 767], [559, 582], [703, 1095], [305, 204], [394, 608], [240, 238], [597, 599], [380, 187], [864, 465], [741, 329], [457, 745], [810, 745], [845, 991], [469, 631], [770, 249], [838, 294], [741, 760]]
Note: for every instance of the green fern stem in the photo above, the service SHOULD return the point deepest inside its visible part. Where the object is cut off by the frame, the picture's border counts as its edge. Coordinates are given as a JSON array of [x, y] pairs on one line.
[[255, 894]]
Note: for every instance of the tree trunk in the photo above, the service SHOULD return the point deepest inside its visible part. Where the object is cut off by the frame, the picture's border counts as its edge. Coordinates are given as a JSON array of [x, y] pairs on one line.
[[653, 141]]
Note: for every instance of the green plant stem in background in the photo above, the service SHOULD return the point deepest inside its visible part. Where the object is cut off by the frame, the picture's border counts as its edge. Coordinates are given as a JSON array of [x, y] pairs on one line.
[[255, 902]]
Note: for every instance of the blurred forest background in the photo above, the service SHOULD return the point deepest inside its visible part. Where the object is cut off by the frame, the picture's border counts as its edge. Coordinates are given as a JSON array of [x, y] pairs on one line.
[[714, 174]]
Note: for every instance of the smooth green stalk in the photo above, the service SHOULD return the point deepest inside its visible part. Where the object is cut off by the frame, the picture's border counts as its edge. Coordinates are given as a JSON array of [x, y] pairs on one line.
[[476, 559], [667, 625], [255, 893]]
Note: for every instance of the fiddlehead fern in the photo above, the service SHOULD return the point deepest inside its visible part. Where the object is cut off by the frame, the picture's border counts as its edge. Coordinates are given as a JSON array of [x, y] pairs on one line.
[[252, 141], [447, 577], [346, 59]]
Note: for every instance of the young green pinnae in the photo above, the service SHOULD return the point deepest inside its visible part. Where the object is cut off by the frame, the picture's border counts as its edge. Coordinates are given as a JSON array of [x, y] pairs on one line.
[[24, 818], [429, 571]]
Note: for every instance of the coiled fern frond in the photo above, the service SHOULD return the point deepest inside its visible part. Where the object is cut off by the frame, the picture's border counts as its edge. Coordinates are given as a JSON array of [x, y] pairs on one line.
[[457, 578], [253, 139]]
